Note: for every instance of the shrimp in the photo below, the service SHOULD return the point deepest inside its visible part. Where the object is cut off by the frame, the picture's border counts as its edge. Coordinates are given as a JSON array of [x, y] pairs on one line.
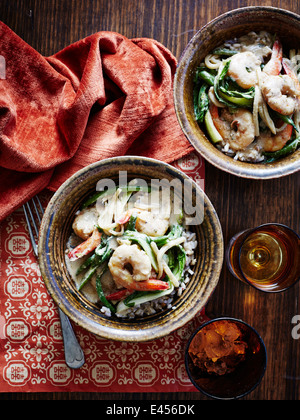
[[286, 64], [243, 66], [86, 247], [152, 224], [242, 69], [131, 268], [236, 128], [281, 93], [84, 223], [272, 143], [273, 66]]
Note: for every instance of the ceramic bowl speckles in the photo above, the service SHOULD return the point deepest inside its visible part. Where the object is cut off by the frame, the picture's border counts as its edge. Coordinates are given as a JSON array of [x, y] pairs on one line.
[[234, 23], [56, 228]]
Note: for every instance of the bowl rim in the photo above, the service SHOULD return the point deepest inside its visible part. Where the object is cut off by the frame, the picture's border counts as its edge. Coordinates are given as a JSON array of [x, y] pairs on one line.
[[97, 328], [225, 318], [220, 160]]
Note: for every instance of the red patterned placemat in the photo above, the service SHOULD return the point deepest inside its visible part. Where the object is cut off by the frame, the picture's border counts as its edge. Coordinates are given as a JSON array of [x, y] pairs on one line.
[[31, 346]]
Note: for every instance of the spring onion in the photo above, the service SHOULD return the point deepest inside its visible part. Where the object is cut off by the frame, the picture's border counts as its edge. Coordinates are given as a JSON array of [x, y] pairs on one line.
[[175, 232]]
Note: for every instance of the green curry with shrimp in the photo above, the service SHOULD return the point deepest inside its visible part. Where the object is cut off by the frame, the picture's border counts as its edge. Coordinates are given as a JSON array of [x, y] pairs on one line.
[[129, 252], [246, 98]]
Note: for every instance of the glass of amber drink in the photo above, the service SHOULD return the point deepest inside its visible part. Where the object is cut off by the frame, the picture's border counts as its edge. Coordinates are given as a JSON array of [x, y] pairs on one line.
[[267, 257]]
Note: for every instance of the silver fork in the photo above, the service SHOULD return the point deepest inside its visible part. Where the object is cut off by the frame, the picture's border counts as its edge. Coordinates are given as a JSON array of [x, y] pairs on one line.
[[74, 356]]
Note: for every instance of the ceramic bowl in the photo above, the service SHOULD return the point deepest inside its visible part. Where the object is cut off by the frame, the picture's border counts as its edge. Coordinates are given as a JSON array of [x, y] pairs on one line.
[[227, 26], [56, 228]]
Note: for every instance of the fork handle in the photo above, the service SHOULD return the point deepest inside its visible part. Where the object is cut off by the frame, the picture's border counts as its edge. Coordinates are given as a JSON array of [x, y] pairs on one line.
[[73, 352]]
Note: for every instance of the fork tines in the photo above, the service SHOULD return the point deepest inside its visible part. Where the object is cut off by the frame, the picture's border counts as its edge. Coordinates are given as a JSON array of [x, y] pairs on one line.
[[33, 211]]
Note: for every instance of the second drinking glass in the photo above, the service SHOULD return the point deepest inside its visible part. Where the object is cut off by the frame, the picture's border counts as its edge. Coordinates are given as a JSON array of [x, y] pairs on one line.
[[266, 257]]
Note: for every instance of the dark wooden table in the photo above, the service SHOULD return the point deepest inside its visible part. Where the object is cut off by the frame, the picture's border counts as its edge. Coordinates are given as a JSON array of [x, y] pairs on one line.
[[50, 25]]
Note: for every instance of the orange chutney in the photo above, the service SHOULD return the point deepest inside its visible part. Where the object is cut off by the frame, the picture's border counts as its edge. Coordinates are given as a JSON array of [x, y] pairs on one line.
[[218, 348]]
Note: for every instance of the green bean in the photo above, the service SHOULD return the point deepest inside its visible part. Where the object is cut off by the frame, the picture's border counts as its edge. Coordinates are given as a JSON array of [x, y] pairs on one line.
[[100, 291], [91, 200], [87, 277], [224, 51], [95, 260], [87, 263], [204, 72], [201, 102], [207, 77], [107, 253], [289, 148], [284, 118]]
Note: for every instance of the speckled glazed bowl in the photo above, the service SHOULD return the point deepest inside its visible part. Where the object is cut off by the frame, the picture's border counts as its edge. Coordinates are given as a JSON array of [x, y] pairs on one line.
[[227, 26], [56, 228]]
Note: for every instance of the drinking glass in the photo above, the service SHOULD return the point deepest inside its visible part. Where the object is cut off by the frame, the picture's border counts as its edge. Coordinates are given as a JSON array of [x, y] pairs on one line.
[[243, 378], [266, 257]]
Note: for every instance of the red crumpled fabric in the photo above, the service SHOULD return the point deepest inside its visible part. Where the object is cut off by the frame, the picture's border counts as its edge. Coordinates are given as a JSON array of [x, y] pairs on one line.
[[103, 96]]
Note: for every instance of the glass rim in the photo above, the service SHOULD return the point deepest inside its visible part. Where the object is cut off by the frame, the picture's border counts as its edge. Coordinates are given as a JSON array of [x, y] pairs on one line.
[[248, 233]]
